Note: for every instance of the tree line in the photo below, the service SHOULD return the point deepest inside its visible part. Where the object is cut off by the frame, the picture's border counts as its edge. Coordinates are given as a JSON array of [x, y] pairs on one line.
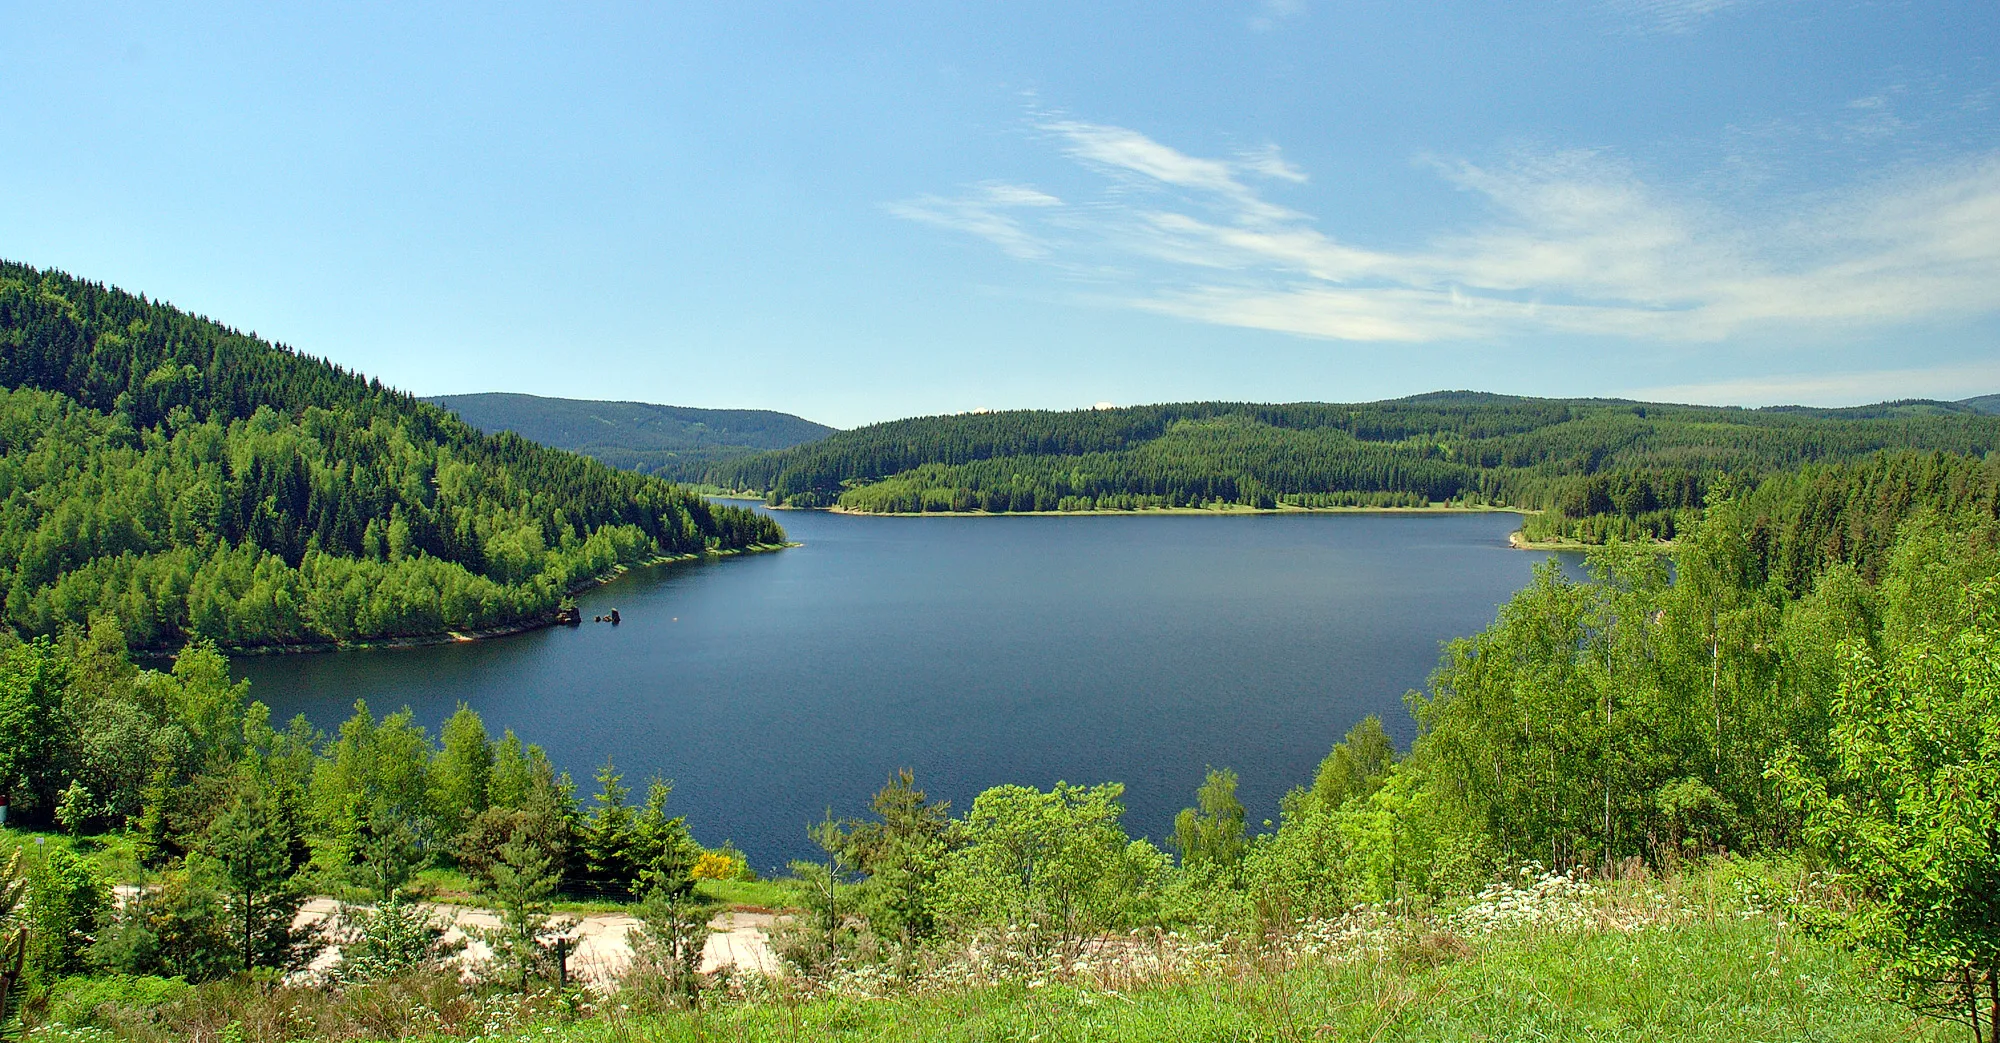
[[234, 821], [195, 481], [1603, 467]]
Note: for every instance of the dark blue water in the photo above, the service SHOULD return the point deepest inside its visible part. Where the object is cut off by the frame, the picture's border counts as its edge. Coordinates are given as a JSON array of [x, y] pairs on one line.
[[975, 651]]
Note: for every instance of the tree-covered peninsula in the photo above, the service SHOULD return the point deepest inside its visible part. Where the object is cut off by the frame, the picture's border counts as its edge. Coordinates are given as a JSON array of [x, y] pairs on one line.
[[191, 480], [1600, 467]]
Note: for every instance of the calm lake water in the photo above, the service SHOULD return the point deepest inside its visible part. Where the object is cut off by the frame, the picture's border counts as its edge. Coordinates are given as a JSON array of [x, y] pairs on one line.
[[975, 651]]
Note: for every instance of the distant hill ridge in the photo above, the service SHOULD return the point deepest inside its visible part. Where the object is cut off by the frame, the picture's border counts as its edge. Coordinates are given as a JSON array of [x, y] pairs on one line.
[[1637, 463], [671, 441]]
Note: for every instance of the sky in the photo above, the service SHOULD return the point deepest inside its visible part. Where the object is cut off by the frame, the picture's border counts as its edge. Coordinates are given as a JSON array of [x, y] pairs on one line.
[[856, 212]]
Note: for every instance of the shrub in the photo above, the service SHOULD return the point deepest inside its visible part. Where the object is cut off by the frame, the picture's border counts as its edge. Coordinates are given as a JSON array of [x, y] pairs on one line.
[[719, 865], [112, 1000]]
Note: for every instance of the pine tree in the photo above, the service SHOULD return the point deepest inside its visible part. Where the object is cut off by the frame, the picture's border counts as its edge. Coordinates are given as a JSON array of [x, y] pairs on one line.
[[249, 850], [523, 879]]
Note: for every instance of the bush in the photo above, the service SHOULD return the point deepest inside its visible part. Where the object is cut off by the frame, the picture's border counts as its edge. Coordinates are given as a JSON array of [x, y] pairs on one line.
[[397, 937], [111, 1001], [177, 929], [65, 897], [721, 865]]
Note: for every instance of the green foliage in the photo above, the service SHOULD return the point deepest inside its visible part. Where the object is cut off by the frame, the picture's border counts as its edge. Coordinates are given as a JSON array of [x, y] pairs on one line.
[[373, 808], [78, 1002], [522, 879], [1636, 715], [13, 942], [1357, 765], [1720, 979], [663, 851], [64, 899], [1057, 864], [538, 812], [177, 928], [667, 952], [464, 770], [395, 937], [193, 481], [252, 853], [32, 677], [825, 888], [608, 840], [1631, 716], [902, 851], [1211, 832], [1910, 813], [625, 852]]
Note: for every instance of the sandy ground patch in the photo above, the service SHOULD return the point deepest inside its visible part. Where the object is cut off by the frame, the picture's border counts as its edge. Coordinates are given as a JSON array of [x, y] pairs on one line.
[[738, 940]]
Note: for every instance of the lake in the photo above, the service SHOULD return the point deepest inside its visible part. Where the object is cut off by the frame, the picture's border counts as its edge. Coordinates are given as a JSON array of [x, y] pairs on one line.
[[974, 651]]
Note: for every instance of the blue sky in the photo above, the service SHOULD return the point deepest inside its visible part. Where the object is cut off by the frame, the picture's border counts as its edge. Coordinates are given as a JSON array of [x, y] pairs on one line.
[[857, 212]]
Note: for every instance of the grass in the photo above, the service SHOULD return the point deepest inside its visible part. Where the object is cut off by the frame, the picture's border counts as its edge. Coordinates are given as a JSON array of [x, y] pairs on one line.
[[763, 894], [115, 855], [1704, 956], [1711, 982], [1727, 977]]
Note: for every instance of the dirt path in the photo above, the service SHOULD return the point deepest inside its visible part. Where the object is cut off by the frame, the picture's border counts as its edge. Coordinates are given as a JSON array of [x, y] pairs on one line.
[[739, 940]]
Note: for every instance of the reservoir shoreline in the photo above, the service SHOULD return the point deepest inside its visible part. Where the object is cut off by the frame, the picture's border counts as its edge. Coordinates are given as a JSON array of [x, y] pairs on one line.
[[973, 654], [539, 621]]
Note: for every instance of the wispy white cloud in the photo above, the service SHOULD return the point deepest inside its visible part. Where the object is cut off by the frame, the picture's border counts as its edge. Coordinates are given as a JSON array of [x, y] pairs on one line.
[[1271, 163], [1572, 242], [1130, 154], [1670, 16], [984, 212], [1273, 13], [1952, 382]]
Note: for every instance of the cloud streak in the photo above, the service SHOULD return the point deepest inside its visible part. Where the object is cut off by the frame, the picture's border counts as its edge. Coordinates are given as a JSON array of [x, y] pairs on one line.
[[1671, 16], [1570, 243], [1953, 382], [987, 212], [1273, 13]]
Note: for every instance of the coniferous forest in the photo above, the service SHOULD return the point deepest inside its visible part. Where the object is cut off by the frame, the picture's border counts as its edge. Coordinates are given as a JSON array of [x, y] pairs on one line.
[[1598, 467], [1747, 791], [191, 480]]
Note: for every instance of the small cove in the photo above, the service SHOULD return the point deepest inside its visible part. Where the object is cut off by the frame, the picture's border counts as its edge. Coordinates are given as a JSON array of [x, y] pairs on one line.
[[975, 651]]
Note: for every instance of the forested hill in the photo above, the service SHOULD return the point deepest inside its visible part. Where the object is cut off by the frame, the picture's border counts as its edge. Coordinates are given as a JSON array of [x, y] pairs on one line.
[[1984, 403], [195, 481], [1585, 457], [670, 441]]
